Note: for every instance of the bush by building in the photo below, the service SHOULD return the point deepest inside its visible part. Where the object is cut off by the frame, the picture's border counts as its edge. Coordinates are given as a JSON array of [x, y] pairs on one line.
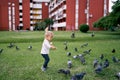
[[84, 28]]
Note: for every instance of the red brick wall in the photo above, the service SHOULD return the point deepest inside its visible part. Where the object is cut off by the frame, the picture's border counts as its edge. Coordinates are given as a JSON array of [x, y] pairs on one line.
[[44, 11], [70, 20], [4, 21], [4, 16], [82, 15], [16, 14], [26, 14]]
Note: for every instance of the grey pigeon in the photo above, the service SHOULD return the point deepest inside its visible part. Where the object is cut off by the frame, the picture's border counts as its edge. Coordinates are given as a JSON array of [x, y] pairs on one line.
[[73, 35], [78, 76], [82, 59], [65, 43], [66, 72], [95, 63], [10, 45], [115, 60], [87, 51], [69, 64], [30, 47], [1, 50], [106, 64], [117, 75], [76, 50], [66, 47], [76, 56], [93, 34], [17, 48], [101, 56], [113, 51], [99, 68], [84, 45], [68, 53]]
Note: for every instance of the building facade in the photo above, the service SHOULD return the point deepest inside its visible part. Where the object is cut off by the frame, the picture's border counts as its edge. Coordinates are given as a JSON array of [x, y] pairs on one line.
[[16, 14], [66, 14], [69, 14]]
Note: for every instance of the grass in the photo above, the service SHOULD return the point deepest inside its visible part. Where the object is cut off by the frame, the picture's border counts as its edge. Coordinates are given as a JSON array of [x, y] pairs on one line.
[[25, 64]]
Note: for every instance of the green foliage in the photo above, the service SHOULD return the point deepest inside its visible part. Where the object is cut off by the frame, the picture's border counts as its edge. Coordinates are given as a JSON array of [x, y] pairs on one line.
[[106, 22], [112, 20], [116, 7], [40, 25], [43, 24], [48, 21], [84, 28]]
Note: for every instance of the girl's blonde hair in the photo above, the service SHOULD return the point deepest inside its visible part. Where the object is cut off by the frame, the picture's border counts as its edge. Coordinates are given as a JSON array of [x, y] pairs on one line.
[[49, 33]]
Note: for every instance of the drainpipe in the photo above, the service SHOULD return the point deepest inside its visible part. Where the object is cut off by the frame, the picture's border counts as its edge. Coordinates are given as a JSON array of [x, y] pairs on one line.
[[76, 14], [87, 13], [105, 8]]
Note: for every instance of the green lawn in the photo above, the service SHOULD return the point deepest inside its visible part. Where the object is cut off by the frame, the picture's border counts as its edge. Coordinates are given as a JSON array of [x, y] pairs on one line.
[[25, 64]]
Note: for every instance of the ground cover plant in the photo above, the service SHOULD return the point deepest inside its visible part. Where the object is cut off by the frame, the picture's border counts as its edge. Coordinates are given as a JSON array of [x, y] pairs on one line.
[[25, 64]]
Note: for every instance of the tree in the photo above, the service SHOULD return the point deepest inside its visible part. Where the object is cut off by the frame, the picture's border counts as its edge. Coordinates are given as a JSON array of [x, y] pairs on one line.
[[40, 25], [49, 22]]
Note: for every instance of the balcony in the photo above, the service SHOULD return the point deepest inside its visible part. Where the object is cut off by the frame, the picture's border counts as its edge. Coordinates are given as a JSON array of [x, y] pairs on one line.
[[37, 6], [36, 1], [37, 12], [31, 11], [41, 0], [31, 17], [20, 7], [21, 24], [20, 1], [63, 24], [31, 22], [37, 17], [20, 14], [21, 19], [53, 5], [31, 5]]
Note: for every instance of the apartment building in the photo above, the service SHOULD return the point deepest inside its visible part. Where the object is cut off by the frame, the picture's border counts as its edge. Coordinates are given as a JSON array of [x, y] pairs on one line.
[[16, 14], [69, 14]]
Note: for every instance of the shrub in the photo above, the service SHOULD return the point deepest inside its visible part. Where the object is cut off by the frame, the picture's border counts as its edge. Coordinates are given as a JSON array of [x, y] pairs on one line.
[[84, 28], [40, 25]]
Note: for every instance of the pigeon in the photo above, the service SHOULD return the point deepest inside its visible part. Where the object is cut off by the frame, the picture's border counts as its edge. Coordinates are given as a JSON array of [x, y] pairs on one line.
[[73, 78], [87, 51], [75, 56], [30, 47], [113, 51], [68, 53], [101, 56], [98, 68], [82, 59], [17, 48], [1, 50], [115, 60], [93, 34], [106, 64], [78, 76], [84, 45], [95, 63], [66, 47], [73, 35], [76, 50], [69, 64], [117, 75], [10, 45], [66, 72], [65, 43]]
